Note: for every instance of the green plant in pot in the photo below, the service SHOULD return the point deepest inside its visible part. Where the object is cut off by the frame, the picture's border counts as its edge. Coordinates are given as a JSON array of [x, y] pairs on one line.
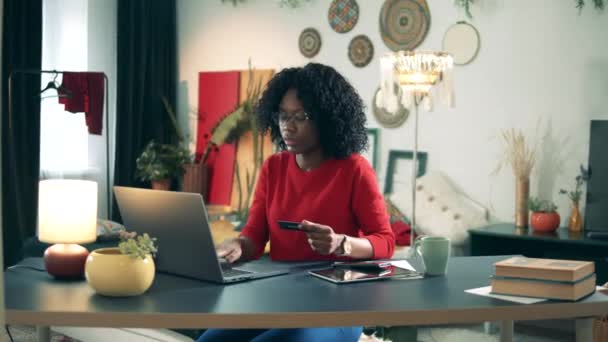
[[234, 125], [544, 217], [575, 223], [160, 163], [126, 270]]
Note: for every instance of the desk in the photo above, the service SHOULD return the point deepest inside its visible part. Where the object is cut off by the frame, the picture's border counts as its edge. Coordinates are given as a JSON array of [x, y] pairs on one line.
[[293, 300], [505, 238]]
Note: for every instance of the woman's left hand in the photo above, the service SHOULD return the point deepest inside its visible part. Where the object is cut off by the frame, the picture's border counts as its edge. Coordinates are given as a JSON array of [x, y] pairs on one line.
[[321, 238]]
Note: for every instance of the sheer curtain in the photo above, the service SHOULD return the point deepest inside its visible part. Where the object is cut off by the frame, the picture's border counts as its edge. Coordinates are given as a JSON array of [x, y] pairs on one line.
[[63, 135], [63, 141]]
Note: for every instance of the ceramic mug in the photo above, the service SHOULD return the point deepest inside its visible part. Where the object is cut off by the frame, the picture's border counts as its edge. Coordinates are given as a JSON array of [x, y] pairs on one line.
[[435, 253]]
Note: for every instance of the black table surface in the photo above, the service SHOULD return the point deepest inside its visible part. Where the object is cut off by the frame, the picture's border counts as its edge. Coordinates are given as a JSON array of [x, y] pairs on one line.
[[293, 300]]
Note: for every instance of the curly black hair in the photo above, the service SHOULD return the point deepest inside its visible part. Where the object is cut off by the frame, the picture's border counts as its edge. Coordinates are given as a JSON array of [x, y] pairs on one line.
[[328, 98]]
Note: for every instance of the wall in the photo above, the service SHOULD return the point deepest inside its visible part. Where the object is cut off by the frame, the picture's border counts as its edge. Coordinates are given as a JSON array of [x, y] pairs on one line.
[[542, 67]]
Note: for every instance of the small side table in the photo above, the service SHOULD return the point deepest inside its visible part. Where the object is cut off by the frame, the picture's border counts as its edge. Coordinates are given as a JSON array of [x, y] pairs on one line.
[[217, 211], [506, 239]]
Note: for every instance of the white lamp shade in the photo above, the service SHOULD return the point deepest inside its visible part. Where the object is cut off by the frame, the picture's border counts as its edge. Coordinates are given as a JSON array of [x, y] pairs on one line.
[[67, 211]]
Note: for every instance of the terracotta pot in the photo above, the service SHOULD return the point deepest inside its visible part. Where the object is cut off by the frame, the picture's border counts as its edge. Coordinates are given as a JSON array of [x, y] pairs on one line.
[[111, 273], [544, 221], [161, 184], [195, 179]]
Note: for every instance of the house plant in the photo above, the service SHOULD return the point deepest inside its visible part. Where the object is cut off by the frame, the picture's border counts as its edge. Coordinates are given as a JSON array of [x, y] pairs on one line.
[[466, 5], [544, 215], [245, 191], [126, 270], [282, 3], [575, 223], [161, 163], [520, 154], [598, 4], [231, 128]]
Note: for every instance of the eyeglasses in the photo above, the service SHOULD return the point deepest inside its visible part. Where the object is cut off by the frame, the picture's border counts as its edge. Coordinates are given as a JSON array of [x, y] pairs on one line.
[[282, 118]]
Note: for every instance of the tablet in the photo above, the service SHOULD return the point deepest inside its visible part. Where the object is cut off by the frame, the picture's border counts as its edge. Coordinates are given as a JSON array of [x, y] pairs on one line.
[[341, 275]]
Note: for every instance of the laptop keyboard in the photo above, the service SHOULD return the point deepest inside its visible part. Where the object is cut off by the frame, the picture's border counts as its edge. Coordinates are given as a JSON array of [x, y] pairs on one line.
[[234, 272]]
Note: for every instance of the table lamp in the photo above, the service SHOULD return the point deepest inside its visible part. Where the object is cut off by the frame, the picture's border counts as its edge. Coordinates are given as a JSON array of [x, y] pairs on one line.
[[413, 75], [67, 216]]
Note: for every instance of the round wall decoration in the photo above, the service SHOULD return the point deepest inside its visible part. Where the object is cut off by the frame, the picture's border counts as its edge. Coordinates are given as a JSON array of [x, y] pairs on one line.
[[343, 15], [388, 119], [404, 23], [309, 42], [360, 50], [461, 40]]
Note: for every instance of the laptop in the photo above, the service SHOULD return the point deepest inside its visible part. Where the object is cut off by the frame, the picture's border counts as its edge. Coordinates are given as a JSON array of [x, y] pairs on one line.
[[185, 245]]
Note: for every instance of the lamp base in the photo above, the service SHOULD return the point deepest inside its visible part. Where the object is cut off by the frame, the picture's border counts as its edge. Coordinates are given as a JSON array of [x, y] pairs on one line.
[[65, 261]]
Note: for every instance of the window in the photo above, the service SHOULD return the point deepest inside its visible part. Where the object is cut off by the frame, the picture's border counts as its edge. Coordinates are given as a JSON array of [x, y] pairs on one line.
[[63, 135]]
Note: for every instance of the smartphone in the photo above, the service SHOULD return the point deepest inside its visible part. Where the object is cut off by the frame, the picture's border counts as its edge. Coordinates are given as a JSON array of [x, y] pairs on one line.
[[290, 225]]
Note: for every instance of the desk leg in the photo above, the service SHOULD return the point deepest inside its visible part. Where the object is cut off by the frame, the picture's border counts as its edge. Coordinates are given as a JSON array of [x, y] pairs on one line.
[[584, 330], [490, 328], [506, 331], [44, 333]]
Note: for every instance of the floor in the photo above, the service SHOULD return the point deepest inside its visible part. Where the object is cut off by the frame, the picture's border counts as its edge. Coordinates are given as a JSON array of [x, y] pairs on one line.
[[28, 334], [554, 331]]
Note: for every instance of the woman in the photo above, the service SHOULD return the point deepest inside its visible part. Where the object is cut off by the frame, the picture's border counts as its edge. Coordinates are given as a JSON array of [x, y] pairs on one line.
[[319, 179]]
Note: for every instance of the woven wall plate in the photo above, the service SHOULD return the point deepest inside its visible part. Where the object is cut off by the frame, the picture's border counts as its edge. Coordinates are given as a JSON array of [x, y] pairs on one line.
[[343, 15], [360, 51], [309, 42], [404, 23], [461, 40], [386, 118]]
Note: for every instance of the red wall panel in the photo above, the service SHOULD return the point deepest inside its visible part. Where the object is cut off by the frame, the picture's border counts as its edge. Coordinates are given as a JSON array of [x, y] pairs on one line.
[[218, 95]]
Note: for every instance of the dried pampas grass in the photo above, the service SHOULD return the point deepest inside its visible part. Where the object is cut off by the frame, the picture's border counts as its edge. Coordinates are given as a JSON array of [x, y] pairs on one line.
[[518, 153]]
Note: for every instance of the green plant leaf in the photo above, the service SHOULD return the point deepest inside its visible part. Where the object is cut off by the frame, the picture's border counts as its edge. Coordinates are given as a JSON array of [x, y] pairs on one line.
[[223, 130], [137, 246], [173, 118], [161, 161], [537, 205]]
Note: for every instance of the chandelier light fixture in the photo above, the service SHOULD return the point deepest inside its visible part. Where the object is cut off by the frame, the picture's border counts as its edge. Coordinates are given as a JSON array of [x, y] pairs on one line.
[[414, 78]]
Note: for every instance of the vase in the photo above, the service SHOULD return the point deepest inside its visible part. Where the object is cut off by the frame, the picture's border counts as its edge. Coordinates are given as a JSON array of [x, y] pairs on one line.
[[111, 273], [161, 184], [522, 193], [576, 221]]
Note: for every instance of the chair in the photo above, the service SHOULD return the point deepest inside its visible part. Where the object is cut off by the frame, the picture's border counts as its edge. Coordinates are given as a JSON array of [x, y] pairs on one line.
[[441, 210]]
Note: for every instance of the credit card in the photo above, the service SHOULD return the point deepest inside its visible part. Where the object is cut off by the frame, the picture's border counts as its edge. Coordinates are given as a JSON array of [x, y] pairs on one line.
[[290, 225]]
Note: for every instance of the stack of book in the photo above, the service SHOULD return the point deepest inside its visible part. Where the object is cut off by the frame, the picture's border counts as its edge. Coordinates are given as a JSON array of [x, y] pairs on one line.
[[544, 278]]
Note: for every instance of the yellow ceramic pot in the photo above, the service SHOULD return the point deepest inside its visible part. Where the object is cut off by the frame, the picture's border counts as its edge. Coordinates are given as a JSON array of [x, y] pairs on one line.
[[111, 273]]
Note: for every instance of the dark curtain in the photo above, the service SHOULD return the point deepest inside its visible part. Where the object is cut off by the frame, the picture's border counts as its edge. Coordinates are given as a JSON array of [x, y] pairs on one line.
[[21, 49], [147, 71]]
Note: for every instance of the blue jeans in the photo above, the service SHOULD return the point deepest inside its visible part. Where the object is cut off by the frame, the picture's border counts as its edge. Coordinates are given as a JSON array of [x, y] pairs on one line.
[[346, 334]]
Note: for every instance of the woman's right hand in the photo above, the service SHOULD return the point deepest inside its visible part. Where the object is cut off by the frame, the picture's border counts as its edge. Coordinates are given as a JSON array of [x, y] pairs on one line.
[[230, 250]]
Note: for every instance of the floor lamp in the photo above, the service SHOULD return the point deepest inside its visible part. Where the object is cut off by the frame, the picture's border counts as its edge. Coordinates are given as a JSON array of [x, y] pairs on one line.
[[420, 76]]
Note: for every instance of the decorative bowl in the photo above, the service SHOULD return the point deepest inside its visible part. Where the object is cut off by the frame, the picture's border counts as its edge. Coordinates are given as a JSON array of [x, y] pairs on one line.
[[111, 273]]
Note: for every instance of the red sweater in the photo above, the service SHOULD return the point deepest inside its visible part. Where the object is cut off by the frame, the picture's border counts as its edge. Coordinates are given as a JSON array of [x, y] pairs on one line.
[[341, 193]]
